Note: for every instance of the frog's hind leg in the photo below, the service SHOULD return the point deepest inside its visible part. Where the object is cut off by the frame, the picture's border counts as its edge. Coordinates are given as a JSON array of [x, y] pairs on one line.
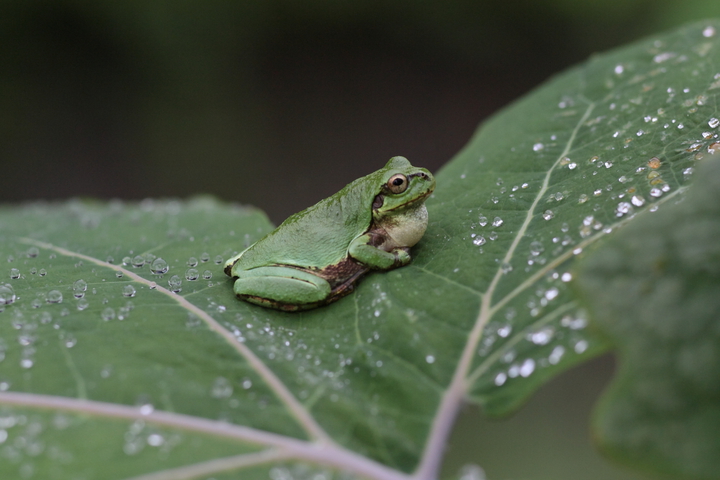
[[283, 288]]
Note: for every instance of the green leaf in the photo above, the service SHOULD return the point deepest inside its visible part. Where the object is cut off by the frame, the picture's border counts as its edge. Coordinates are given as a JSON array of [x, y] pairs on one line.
[[654, 290], [176, 378]]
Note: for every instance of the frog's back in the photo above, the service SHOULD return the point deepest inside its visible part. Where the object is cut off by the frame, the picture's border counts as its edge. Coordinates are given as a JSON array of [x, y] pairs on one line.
[[318, 236]]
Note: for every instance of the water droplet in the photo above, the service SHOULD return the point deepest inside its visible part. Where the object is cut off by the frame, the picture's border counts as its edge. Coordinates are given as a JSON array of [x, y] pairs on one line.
[[128, 291], [155, 440], [472, 472], [175, 284], [714, 148], [207, 274], [500, 378], [548, 214], [623, 208], [123, 312], [527, 368], [708, 31], [246, 383], [192, 274], [552, 293], [79, 288], [583, 198], [574, 323], [538, 147], [82, 304], [536, 248], [482, 220], [663, 57], [54, 296], [70, 341], [192, 262], [479, 241], [221, 388], [714, 122], [204, 257], [637, 200], [33, 252], [138, 261], [430, 359], [542, 336], [218, 260], [159, 266], [108, 314], [493, 236], [581, 346], [655, 192], [619, 69], [7, 294], [504, 330], [497, 221], [119, 274], [694, 147], [126, 260], [14, 273], [556, 355]]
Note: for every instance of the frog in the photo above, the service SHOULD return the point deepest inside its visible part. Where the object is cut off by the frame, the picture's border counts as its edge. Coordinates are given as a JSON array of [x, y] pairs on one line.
[[317, 256]]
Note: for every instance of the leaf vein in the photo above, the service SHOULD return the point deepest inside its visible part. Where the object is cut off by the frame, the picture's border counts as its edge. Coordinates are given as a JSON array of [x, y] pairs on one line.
[[296, 409]]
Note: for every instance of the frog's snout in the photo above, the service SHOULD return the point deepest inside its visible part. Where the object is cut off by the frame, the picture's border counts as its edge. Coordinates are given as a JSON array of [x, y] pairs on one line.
[[427, 176]]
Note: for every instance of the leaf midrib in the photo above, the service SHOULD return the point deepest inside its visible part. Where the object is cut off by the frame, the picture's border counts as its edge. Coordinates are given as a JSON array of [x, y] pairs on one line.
[[459, 386]]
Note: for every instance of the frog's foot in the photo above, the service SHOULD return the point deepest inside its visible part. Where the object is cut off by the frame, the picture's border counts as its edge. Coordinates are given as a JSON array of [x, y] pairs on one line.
[[282, 288]]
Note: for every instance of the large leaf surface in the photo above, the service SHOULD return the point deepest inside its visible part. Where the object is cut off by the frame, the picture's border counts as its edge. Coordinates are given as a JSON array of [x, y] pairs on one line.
[[654, 290], [195, 382]]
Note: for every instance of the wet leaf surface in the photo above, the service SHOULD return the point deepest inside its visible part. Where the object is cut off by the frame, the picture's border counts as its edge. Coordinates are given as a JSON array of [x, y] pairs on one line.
[[119, 321]]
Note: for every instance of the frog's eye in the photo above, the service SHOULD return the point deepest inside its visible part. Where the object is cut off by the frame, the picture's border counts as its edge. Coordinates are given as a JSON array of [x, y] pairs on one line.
[[398, 183]]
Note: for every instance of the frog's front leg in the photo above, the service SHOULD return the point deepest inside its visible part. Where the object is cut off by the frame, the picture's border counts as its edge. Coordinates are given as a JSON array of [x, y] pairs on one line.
[[367, 250], [281, 287]]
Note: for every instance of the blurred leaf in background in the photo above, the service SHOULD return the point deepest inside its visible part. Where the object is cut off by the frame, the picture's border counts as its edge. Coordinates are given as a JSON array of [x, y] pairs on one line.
[[654, 290]]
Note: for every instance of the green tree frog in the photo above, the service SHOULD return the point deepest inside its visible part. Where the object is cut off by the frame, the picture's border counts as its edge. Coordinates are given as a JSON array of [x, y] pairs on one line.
[[317, 256]]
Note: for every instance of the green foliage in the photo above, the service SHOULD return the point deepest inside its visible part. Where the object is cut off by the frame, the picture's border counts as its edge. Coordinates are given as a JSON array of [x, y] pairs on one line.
[[654, 289], [121, 333]]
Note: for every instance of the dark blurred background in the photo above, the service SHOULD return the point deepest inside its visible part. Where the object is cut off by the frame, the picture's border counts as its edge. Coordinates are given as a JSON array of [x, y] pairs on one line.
[[273, 103], [281, 103]]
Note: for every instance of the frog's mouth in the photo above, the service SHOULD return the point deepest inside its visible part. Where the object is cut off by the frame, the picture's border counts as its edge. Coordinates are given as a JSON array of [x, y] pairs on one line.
[[380, 200]]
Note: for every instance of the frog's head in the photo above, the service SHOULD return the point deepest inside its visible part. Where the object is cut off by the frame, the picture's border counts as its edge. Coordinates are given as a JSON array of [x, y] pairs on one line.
[[402, 186]]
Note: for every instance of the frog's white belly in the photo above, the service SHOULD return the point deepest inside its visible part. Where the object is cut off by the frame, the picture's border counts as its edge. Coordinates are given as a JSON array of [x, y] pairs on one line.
[[407, 229]]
